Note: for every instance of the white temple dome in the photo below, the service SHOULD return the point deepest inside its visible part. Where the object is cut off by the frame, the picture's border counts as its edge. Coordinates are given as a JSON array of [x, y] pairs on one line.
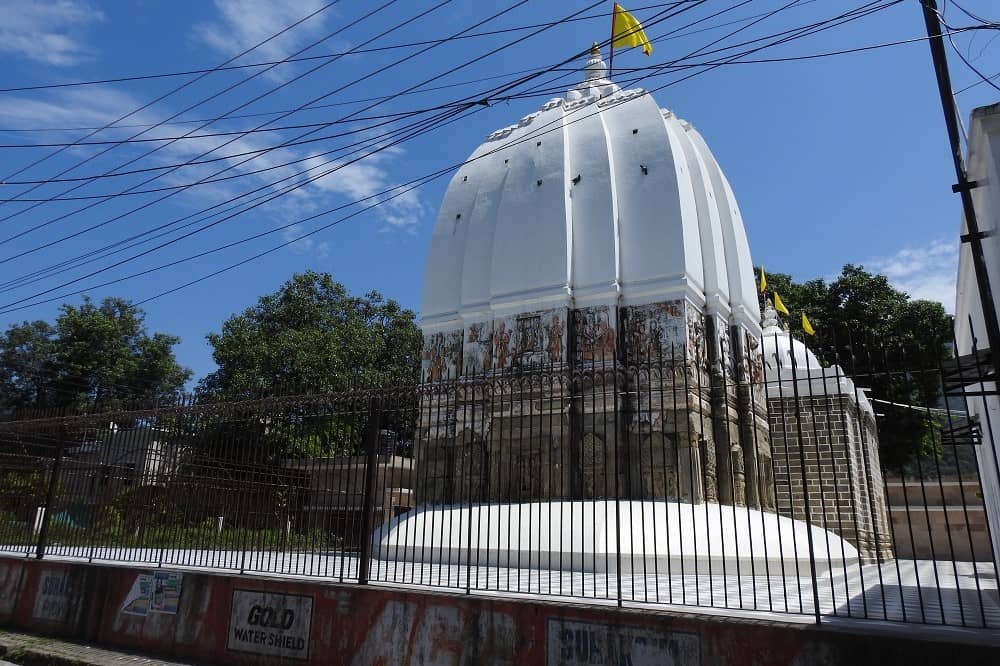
[[808, 377], [779, 349], [599, 198]]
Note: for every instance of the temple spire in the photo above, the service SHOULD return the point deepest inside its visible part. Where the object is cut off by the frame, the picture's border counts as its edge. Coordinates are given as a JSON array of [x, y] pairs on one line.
[[595, 69]]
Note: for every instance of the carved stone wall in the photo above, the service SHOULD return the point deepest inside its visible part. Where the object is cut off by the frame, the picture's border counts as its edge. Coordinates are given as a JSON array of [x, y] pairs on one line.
[[644, 402]]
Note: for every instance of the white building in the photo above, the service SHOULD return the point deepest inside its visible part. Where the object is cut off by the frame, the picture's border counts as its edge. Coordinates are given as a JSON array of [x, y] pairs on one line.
[[983, 167]]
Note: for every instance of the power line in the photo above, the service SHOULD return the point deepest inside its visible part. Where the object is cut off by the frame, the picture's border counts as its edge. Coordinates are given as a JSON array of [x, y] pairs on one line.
[[39, 274], [977, 83], [508, 86], [265, 188], [286, 61], [530, 137], [209, 98], [670, 35], [667, 84], [453, 69], [206, 135], [183, 85], [414, 184], [148, 204], [983, 78]]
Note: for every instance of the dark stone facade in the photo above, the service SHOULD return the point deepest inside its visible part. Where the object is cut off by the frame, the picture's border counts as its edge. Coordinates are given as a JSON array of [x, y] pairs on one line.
[[826, 458], [644, 402]]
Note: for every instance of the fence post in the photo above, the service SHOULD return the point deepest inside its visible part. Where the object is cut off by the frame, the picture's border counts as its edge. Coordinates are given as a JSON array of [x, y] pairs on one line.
[[805, 479], [368, 503], [50, 495]]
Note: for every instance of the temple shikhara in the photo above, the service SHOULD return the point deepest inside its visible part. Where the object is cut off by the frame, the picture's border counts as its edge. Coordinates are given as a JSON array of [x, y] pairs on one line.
[[592, 324]]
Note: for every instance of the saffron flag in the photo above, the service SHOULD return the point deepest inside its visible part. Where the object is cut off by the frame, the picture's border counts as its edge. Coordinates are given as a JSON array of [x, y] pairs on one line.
[[806, 326], [779, 305], [626, 31], [763, 280]]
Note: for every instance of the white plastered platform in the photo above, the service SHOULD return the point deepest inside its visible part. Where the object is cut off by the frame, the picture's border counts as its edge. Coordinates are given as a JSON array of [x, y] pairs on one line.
[[603, 535]]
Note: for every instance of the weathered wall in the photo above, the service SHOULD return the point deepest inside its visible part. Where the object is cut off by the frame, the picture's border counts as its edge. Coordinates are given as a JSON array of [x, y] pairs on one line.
[[601, 387], [841, 476], [245, 620], [939, 520]]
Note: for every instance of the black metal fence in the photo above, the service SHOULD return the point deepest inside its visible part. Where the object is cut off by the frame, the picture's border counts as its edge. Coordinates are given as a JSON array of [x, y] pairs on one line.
[[750, 475]]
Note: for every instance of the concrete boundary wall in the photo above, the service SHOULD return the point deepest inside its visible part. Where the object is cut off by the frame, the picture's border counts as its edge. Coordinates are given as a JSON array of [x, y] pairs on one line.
[[229, 619]]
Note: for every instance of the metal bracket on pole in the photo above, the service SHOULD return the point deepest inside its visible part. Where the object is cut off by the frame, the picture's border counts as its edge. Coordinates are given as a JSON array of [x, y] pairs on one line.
[[966, 186]]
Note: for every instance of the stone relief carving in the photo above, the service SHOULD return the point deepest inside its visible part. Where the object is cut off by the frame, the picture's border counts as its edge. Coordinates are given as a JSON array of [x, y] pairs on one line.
[[441, 357]]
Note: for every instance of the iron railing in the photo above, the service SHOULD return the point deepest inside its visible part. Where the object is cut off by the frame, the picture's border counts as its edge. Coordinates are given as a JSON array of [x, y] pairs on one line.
[[754, 477]]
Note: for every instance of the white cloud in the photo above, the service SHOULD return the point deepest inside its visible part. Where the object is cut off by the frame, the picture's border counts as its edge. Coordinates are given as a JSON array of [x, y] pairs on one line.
[[243, 23], [368, 177], [47, 32], [926, 272]]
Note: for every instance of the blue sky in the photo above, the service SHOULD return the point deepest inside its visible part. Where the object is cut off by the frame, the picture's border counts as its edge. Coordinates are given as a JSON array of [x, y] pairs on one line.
[[833, 160]]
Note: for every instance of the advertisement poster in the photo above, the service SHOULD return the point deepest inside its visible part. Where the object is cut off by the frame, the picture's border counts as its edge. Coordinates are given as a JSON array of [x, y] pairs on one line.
[[166, 592], [137, 601]]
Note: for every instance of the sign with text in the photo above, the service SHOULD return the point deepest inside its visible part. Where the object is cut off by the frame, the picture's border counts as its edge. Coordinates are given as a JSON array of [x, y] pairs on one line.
[[54, 600], [570, 643], [268, 623]]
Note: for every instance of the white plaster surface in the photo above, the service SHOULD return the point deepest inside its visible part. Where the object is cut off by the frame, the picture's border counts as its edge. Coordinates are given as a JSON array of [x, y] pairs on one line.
[[915, 591], [608, 535], [983, 167], [599, 196]]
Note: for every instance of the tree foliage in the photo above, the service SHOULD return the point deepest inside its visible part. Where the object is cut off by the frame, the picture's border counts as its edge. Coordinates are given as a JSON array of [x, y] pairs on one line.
[[885, 340], [92, 353], [313, 336]]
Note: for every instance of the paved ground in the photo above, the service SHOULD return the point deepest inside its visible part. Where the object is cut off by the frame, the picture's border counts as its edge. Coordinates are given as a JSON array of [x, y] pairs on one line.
[[958, 594], [29, 650]]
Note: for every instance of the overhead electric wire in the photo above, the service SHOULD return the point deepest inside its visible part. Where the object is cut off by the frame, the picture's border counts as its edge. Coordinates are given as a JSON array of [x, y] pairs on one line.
[[17, 282], [207, 135], [977, 83], [456, 68], [374, 49], [303, 236], [286, 143], [506, 87], [983, 78], [157, 232], [195, 105], [436, 175], [232, 155], [755, 49], [672, 35], [373, 141], [182, 86], [473, 100]]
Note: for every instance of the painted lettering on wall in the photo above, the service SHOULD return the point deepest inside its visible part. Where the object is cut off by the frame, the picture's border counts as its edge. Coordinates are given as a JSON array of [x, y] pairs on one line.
[[54, 598], [571, 643], [267, 623]]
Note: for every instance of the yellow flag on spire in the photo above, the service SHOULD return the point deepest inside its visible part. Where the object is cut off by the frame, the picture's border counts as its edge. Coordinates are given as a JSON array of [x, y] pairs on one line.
[[806, 326], [779, 305], [627, 31], [763, 280]]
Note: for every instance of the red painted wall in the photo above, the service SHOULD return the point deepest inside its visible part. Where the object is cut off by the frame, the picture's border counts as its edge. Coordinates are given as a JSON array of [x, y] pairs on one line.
[[350, 624]]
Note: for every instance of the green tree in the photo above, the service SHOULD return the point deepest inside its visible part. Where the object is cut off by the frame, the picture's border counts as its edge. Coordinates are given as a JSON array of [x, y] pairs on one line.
[[91, 353], [888, 342], [313, 336], [310, 336]]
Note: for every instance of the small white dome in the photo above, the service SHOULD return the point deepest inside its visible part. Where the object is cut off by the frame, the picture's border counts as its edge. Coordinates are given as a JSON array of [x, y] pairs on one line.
[[779, 348], [809, 377], [599, 198]]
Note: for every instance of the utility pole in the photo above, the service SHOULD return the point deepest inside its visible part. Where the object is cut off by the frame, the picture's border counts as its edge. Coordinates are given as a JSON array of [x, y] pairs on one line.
[[973, 236]]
